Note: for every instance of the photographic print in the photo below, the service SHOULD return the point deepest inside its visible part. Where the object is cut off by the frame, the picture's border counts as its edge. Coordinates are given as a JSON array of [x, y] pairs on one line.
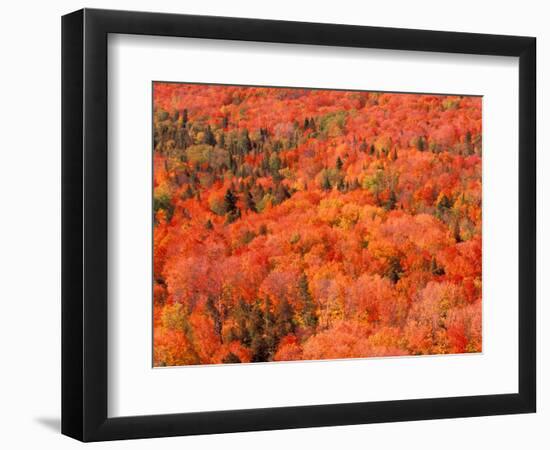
[[314, 224]]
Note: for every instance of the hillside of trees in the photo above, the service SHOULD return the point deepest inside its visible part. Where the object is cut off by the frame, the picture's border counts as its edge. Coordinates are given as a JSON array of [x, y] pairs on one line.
[[296, 224]]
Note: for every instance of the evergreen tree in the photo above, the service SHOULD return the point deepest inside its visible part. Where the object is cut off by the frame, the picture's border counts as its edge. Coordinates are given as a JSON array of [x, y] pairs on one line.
[[231, 358], [221, 139], [435, 269], [256, 329], [309, 317], [395, 270], [444, 204], [325, 183], [189, 192], [421, 144], [270, 331], [243, 142], [234, 165], [392, 201], [183, 140], [259, 193], [339, 163], [281, 194], [456, 231], [284, 319], [209, 138], [214, 314], [230, 206], [275, 163], [242, 315], [249, 202]]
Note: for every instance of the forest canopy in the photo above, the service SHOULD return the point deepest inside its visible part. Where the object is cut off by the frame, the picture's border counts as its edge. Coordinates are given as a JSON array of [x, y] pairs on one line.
[[306, 224]]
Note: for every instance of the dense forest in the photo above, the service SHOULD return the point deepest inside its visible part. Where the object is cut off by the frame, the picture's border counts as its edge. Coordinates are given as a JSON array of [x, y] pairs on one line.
[[303, 224]]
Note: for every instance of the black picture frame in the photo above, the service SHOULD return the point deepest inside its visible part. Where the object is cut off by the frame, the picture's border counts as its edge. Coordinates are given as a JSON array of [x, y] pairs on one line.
[[84, 224]]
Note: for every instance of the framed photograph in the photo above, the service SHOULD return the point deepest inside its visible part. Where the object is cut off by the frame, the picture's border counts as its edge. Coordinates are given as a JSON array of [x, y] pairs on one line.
[[273, 224]]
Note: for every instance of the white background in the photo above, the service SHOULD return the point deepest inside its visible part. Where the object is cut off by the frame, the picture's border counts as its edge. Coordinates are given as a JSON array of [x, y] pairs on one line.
[[136, 389], [30, 126]]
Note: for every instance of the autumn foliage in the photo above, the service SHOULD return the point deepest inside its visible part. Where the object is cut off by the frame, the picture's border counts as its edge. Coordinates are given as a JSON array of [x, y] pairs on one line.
[[296, 224]]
